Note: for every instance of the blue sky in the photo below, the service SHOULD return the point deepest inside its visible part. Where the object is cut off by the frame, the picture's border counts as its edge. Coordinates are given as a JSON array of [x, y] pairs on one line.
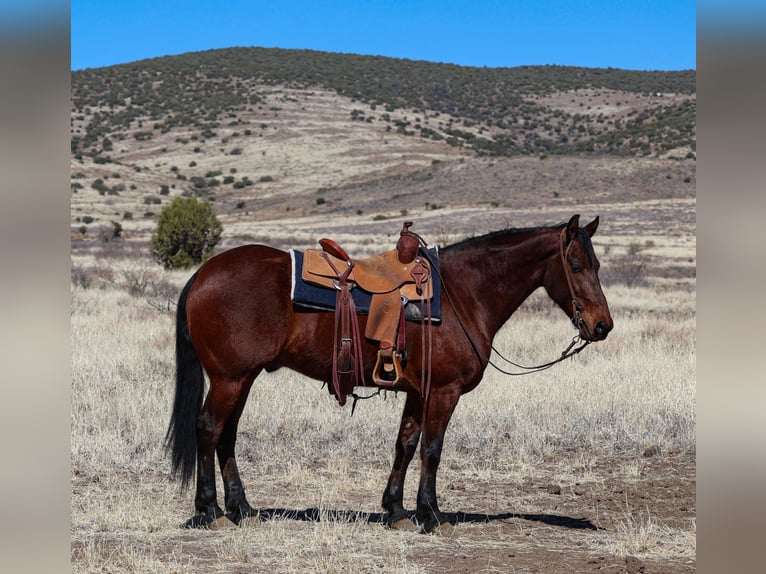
[[630, 34]]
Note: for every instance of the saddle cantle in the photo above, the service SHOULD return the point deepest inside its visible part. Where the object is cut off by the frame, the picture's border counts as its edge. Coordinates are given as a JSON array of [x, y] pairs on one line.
[[393, 279]]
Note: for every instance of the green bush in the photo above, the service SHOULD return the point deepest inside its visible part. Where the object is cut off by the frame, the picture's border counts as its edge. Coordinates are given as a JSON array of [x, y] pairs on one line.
[[99, 186], [187, 232]]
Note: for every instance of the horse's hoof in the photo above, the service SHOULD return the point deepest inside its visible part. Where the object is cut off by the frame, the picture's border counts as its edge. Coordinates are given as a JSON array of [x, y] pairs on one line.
[[250, 521], [221, 523], [443, 529], [405, 525], [198, 521]]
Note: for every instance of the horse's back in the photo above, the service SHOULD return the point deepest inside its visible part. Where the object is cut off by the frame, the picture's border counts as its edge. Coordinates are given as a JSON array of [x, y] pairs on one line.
[[238, 308]]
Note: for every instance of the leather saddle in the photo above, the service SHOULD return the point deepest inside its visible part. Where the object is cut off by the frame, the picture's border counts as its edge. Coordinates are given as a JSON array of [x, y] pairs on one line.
[[393, 278]]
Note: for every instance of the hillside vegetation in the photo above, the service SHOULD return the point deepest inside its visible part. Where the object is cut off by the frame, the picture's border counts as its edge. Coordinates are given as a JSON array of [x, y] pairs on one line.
[[526, 110]]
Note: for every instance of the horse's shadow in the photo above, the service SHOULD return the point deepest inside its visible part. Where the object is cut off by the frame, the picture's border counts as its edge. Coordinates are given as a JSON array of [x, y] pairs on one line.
[[319, 515]]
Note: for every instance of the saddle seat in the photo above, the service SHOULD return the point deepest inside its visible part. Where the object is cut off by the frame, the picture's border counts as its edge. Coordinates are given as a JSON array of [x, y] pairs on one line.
[[393, 278], [377, 274]]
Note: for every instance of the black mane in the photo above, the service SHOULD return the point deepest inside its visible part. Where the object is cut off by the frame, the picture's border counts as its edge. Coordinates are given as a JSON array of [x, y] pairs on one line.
[[488, 238], [502, 233]]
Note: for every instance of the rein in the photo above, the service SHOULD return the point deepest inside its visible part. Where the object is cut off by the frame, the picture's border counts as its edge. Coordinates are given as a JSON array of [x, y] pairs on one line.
[[577, 319], [575, 346]]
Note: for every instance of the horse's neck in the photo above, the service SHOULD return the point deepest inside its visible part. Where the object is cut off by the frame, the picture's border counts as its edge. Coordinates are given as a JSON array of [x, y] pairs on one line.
[[495, 278]]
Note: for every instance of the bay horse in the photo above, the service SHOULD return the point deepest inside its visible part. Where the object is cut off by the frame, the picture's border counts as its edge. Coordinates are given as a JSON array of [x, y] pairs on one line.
[[235, 318]]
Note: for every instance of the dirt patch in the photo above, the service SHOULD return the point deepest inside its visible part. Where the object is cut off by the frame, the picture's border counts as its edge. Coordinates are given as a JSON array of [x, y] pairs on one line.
[[614, 514], [609, 522]]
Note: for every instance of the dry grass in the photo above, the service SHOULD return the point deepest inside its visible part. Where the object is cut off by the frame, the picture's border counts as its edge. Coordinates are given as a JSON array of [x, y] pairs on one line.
[[315, 473], [640, 534], [298, 450]]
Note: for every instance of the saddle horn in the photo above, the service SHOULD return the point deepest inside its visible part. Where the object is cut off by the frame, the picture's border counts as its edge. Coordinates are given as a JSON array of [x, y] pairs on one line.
[[408, 245]]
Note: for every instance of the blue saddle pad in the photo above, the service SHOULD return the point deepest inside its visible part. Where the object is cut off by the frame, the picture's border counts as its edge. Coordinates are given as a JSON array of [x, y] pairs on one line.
[[323, 298]]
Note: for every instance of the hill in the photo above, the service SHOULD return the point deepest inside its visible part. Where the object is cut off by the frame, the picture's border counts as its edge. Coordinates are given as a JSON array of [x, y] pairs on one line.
[[317, 140], [498, 111]]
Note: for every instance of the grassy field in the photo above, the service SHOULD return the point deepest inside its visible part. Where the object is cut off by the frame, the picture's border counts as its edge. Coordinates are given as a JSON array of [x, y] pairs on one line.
[[603, 428]]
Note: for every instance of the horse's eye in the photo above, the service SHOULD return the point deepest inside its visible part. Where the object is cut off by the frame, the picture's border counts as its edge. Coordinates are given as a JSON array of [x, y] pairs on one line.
[[576, 268]]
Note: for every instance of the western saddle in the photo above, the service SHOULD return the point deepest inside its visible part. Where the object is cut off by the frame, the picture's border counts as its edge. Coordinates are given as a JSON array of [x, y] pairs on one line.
[[393, 278]]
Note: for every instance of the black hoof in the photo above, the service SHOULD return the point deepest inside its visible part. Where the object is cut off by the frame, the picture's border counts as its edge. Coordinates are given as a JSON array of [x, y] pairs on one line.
[[241, 514], [204, 519], [396, 516], [199, 521], [435, 523]]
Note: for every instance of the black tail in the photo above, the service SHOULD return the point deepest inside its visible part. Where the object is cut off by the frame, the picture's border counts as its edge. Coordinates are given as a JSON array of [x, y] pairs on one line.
[[181, 438]]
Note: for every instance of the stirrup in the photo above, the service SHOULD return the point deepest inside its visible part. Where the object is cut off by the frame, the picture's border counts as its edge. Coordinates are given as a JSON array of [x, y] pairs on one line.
[[387, 377]]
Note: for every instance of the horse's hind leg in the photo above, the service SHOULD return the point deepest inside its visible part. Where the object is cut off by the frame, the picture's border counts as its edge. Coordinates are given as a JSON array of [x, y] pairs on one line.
[[221, 403], [236, 504], [406, 443]]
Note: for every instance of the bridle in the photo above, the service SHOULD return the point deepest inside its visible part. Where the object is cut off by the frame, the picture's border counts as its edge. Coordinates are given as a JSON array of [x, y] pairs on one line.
[[576, 307], [575, 346]]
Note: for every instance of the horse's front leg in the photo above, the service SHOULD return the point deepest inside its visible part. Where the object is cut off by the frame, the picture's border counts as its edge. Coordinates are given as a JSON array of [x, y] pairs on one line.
[[406, 443], [442, 405]]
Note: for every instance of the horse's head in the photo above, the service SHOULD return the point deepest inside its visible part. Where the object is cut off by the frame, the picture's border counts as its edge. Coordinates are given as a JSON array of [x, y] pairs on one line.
[[572, 281]]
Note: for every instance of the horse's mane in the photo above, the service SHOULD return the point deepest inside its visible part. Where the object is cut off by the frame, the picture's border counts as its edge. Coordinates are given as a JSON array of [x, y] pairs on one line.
[[514, 232], [502, 233]]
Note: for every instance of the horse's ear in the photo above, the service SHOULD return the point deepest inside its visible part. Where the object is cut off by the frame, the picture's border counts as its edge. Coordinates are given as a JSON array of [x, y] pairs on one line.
[[590, 229], [572, 227]]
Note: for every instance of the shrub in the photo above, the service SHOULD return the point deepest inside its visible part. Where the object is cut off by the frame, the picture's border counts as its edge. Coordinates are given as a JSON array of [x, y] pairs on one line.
[[81, 277], [110, 233], [187, 232], [99, 186]]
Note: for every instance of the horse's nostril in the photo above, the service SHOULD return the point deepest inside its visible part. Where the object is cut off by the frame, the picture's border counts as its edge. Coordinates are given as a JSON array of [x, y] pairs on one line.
[[602, 329]]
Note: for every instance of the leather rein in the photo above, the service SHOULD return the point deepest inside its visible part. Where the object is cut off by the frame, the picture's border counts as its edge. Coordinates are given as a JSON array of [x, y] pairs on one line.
[[577, 344]]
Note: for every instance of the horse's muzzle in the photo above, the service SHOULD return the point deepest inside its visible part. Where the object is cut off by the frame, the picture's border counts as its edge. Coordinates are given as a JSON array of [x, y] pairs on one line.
[[601, 331]]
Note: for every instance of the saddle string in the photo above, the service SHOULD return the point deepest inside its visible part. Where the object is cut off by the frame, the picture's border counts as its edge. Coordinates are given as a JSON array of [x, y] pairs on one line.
[[346, 332], [426, 331]]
